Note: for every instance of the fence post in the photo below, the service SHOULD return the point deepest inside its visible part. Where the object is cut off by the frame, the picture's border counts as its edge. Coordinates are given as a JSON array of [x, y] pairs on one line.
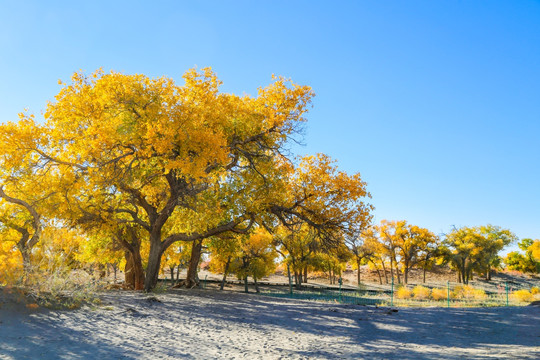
[[290, 281], [392, 293], [448, 294], [506, 286]]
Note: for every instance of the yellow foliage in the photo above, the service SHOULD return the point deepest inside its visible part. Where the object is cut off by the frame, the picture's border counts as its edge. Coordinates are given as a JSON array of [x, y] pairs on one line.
[[535, 290], [421, 292], [522, 295], [468, 292], [439, 294], [403, 293]]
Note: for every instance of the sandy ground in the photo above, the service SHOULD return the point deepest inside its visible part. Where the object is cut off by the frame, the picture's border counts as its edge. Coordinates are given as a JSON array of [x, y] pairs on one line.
[[206, 324]]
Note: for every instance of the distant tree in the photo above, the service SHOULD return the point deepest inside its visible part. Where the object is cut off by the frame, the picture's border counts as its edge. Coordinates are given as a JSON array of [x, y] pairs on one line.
[[525, 262], [255, 257], [471, 249]]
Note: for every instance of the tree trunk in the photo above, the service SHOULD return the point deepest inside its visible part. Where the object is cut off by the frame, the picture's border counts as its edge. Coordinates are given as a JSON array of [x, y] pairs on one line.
[[129, 271], [305, 274], [398, 274], [385, 272], [27, 267], [178, 273], [424, 281], [406, 275], [488, 276], [192, 277], [115, 270], [358, 272], [391, 268], [171, 269], [133, 271], [256, 284], [379, 273], [154, 261], [298, 279], [225, 272], [246, 290]]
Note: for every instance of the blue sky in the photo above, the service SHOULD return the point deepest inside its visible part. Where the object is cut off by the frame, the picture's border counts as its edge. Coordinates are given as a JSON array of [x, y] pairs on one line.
[[435, 103]]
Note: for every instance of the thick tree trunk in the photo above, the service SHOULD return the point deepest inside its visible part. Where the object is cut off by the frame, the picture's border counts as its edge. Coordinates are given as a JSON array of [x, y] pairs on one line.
[[171, 269], [305, 274], [192, 277], [115, 271], [225, 272], [27, 266], [256, 284], [154, 261], [406, 275], [133, 271], [129, 271], [246, 290]]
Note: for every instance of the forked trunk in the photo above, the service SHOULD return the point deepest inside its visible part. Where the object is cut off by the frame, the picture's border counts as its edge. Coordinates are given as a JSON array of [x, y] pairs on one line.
[[298, 279], [133, 271]]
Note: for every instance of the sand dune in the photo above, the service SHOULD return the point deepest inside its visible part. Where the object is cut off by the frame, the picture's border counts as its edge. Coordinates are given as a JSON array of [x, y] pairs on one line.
[[206, 324]]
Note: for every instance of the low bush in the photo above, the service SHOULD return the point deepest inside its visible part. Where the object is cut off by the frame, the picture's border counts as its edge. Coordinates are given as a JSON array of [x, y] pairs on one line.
[[439, 294], [535, 290], [421, 292], [522, 295], [467, 292], [403, 293]]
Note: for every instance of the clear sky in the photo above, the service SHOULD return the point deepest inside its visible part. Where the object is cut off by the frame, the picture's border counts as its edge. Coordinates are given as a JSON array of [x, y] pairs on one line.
[[435, 103]]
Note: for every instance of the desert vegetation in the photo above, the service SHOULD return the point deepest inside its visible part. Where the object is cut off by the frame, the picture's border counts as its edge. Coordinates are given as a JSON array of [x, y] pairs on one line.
[[141, 177]]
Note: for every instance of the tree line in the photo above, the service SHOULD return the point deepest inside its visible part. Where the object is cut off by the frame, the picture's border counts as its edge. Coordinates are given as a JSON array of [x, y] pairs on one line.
[[146, 175]]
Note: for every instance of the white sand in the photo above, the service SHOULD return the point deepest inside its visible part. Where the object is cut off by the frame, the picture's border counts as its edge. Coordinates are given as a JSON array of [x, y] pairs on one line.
[[199, 324]]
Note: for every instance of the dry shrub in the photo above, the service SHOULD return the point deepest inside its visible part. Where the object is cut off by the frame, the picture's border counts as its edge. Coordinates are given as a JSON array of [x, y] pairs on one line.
[[62, 288], [522, 295], [467, 292], [403, 293], [535, 290], [421, 292], [439, 294]]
